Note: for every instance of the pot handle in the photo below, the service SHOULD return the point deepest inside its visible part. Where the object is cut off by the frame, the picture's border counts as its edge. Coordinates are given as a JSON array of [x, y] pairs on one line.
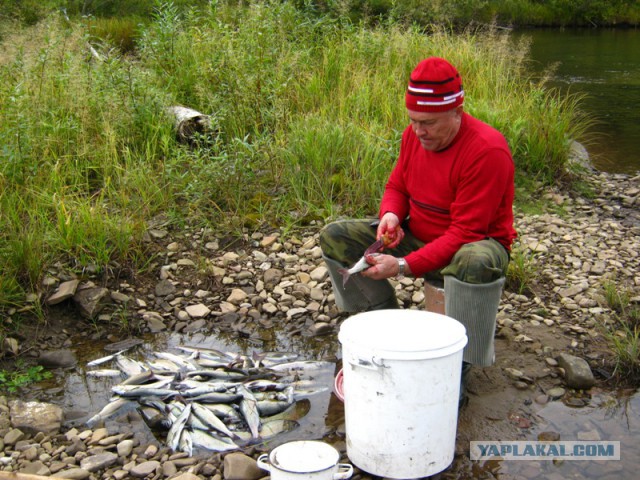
[[344, 471], [263, 460]]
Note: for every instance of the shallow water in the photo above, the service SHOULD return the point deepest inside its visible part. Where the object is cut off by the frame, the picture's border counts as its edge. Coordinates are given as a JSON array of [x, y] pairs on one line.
[[607, 417], [613, 416]]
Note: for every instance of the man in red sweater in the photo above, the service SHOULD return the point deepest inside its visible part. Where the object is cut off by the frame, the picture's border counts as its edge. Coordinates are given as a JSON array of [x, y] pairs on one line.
[[447, 207]]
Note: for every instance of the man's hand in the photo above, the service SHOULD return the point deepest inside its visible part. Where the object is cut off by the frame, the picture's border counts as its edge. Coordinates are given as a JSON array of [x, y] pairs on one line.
[[383, 266], [389, 227]]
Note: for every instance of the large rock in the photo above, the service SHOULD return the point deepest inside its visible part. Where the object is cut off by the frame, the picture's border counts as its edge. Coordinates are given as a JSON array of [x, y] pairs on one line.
[[34, 417], [65, 291], [577, 373], [62, 358], [238, 466], [91, 301]]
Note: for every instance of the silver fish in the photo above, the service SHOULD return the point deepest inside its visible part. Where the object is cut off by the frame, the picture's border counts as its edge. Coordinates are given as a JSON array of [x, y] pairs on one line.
[[217, 397], [209, 418], [205, 440], [143, 391], [249, 409], [374, 249], [271, 407], [140, 378], [186, 442], [218, 373], [104, 372], [129, 366], [100, 361], [175, 432], [223, 410], [108, 410], [301, 366], [181, 362], [358, 267], [295, 411]]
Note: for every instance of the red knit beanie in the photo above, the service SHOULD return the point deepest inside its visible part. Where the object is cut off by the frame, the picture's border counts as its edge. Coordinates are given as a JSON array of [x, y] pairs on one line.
[[435, 86]]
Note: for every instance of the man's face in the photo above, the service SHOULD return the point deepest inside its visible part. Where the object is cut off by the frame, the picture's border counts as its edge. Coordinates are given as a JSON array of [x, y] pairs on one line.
[[435, 130]]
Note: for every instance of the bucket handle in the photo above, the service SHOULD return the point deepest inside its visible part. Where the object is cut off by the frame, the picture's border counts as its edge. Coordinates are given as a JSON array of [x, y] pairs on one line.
[[262, 462], [373, 364], [344, 471]]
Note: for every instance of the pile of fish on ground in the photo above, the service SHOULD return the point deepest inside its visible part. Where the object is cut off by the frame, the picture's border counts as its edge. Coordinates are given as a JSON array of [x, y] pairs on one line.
[[208, 399]]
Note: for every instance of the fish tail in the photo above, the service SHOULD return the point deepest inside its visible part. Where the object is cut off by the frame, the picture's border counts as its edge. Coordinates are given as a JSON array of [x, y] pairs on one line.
[[345, 276]]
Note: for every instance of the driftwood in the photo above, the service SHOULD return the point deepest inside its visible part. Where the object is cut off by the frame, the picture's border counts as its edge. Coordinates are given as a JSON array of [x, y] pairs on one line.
[[190, 124], [24, 476]]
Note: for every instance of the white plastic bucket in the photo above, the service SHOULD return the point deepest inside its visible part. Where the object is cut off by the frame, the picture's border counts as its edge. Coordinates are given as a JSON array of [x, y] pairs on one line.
[[401, 390], [305, 460]]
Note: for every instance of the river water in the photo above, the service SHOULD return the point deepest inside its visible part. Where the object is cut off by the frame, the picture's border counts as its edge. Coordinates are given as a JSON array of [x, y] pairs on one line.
[[604, 64]]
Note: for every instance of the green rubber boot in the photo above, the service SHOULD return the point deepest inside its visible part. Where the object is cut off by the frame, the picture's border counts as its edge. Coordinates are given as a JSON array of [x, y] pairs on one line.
[[476, 307], [360, 294]]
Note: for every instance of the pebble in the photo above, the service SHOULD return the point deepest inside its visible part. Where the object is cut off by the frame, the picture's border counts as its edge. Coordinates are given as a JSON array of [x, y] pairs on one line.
[[282, 280], [556, 393]]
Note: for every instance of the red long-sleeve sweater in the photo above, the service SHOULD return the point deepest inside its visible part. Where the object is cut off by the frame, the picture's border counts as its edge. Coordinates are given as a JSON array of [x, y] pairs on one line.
[[460, 195]]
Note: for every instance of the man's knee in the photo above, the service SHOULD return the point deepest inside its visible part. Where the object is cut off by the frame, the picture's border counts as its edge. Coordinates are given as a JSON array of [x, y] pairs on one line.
[[479, 262], [346, 239]]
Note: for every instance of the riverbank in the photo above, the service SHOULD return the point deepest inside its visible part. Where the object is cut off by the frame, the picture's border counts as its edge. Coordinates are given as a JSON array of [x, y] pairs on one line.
[[270, 282]]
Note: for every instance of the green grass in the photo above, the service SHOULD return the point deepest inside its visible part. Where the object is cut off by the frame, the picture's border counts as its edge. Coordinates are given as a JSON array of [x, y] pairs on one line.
[[623, 334], [522, 270], [308, 111]]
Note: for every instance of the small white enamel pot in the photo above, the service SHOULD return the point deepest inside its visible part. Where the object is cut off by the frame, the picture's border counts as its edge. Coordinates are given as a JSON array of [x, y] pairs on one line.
[[305, 460]]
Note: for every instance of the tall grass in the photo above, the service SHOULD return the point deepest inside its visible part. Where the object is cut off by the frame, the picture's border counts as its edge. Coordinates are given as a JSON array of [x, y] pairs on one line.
[[309, 111], [623, 334]]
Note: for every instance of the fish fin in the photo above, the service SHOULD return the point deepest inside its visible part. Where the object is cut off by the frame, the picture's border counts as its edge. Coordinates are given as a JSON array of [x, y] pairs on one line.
[[345, 276]]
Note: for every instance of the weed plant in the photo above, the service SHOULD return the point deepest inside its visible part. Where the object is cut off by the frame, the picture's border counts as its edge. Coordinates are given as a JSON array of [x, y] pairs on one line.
[[308, 111], [623, 334]]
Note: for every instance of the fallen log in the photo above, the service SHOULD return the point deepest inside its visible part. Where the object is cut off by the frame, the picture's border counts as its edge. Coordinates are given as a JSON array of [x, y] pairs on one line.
[[190, 124], [24, 476]]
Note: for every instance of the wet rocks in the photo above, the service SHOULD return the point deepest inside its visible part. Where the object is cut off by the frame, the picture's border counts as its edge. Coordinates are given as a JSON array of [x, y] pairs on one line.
[[577, 373], [238, 466], [35, 417], [271, 280]]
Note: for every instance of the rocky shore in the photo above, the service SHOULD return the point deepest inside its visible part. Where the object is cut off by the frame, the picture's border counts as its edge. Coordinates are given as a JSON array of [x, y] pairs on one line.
[[207, 283]]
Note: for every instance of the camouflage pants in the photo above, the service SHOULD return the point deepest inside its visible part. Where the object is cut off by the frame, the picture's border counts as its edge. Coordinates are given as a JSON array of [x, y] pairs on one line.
[[480, 262]]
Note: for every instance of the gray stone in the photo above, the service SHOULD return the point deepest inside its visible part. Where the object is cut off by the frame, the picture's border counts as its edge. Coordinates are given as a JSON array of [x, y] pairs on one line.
[[321, 328], [13, 436], [64, 291], [124, 448], [198, 311], [34, 417], [164, 288], [195, 326], [577, 373], [57, 359], [186, 476], [74, 474], [237, 296], [145, 468], [102, 460], [272, 277], [556, 393], [91, 301], [319, 274], [238, 466]]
